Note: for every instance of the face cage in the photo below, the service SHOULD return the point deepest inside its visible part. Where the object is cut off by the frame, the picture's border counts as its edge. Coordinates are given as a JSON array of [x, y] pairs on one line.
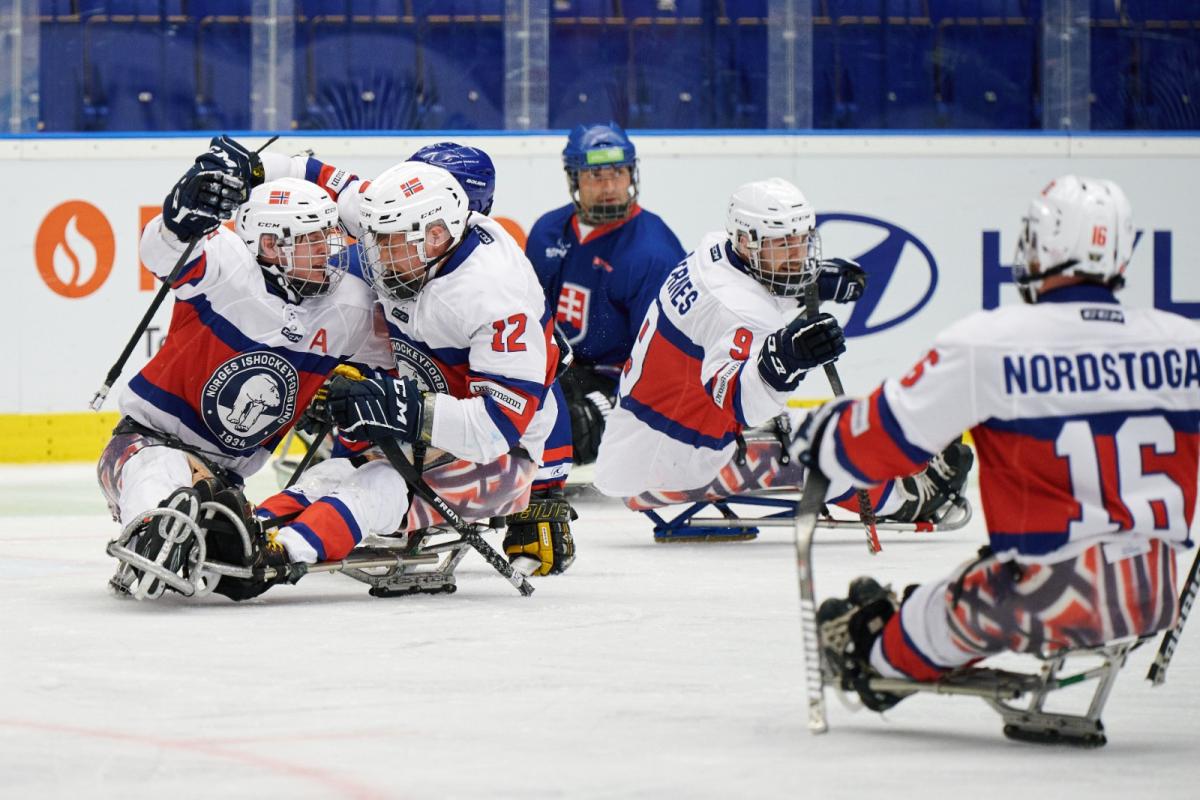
[[335, 266], [383, 277], [603, 213], [786, 284]]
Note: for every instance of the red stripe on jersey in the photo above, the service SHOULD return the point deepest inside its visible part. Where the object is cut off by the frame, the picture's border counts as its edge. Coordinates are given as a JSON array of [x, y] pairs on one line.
[[193, 273], [874, 452], [902, 656], [327, 524], [558, 453], [670, 384], [496, 391], [178, 367], [552, 352], [607, 227], [1025, 487], [323, 180], [1179, 466], [456, 377]]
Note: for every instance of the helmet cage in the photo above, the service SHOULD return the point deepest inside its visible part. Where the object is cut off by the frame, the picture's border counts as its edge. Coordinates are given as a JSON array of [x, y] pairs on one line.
[[291, 211], [399, 275], [796, 274], [332, 270], [405, 203], [602, 213]]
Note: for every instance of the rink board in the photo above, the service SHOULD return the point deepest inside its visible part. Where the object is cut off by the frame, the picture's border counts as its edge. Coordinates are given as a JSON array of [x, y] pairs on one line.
[[932, 218]]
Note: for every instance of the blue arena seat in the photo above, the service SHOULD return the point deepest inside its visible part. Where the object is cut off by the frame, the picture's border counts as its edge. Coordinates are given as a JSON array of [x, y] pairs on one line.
[[137, 74], [462, 45], [358, 74], [589, 56], [884, 65], [988, 66], [60, 91]]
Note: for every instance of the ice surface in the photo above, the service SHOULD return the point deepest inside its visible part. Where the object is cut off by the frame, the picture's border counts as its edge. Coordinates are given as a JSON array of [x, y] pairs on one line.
[[646, 671]]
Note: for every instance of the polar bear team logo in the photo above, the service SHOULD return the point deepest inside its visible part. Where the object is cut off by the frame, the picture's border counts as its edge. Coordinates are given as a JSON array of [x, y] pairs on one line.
[[250, 397], [412, 363]]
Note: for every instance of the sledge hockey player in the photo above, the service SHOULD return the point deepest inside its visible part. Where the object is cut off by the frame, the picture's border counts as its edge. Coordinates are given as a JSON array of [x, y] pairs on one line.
[[262, 316], [473, 346], [719, 352], [601, 260], [1085, 416]]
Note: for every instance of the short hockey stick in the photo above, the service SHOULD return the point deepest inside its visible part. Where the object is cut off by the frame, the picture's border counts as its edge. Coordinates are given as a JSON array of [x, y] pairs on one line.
[[1157, 674], [807, 512], [311, 453], [397, 459], [114, 371], [866, 512]]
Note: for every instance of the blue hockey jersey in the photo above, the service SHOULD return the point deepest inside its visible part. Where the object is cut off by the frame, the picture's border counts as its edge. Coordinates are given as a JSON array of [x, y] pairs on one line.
[[602, 283]]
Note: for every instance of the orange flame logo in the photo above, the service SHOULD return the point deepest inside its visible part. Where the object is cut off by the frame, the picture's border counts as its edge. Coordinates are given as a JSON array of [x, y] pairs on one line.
[[74, 249]]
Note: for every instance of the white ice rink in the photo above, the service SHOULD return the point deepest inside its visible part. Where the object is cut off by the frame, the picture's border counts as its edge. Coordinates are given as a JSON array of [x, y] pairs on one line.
[[646, 671]]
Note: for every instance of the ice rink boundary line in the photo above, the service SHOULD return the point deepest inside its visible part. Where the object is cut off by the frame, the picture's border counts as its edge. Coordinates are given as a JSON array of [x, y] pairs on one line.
[[80, 436]]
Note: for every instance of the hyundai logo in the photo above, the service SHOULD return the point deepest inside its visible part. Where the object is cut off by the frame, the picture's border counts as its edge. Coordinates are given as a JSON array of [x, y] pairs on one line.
[[884, 250]]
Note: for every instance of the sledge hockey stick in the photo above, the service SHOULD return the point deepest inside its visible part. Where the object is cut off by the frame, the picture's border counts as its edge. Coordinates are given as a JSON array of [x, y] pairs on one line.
[[396, 457], [1157, 674], [114, 371], [808, 509], [866, 512], [311, 453]]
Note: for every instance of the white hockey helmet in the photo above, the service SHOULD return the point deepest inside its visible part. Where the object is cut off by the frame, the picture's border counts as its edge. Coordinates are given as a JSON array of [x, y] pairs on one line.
[[781, 242], [291, 210], [398, 211], [1075, 226]]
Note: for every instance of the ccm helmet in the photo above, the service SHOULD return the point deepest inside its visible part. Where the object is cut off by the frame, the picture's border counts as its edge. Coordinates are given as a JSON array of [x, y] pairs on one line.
[[773, 226], [399, 210], [291, 209]]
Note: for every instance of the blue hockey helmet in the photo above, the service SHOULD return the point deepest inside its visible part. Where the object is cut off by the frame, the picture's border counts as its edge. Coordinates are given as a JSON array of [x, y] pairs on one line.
[[600, 146], [470, 166]]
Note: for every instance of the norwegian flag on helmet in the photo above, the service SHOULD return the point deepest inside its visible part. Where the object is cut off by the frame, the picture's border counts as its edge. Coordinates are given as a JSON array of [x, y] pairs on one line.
[[278, 198], [412, 187]]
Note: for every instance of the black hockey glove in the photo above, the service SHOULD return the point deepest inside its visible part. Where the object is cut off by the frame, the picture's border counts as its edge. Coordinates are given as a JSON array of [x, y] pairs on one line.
[[375, 408], [588, 416], [542, 532], [799, 346], [317, 416], [200, 200], [226, 155], [840, 280]]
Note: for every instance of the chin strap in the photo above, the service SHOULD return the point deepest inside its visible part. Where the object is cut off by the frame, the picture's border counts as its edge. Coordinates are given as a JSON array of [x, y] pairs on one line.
[[278, 281]]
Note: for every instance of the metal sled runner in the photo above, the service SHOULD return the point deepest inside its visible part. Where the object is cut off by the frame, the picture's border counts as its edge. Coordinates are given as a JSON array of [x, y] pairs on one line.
[[1000, 689], [422, 563], [688, 526]]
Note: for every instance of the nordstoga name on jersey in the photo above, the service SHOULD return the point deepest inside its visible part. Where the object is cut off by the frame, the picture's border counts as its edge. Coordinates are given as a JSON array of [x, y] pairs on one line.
[[1129, 370]]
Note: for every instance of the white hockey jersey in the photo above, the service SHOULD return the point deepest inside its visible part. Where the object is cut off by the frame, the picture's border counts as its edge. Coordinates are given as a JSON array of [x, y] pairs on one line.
[[692, 383], [478, 333], [1085, 417], [240, 362]]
